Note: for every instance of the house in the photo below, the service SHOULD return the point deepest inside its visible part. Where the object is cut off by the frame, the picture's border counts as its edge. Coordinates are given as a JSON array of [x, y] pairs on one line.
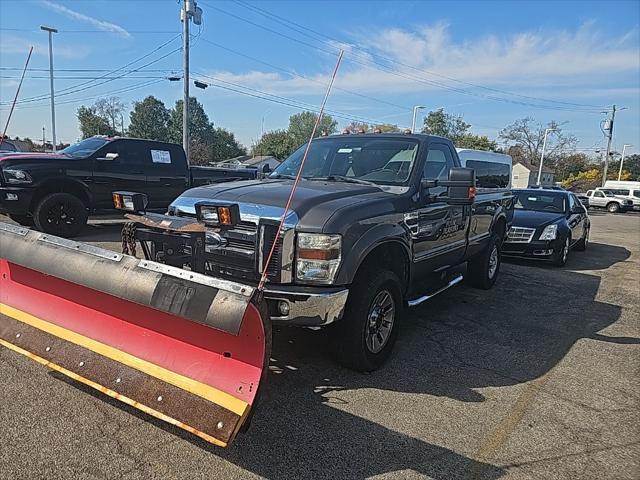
[[248, 161], [525, 174]]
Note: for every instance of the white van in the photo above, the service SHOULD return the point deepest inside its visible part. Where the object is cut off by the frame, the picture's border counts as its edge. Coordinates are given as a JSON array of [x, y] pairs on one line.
[[493, 170], [624, 189]]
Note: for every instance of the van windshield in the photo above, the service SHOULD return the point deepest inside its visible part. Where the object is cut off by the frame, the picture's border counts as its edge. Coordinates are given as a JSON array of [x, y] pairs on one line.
[[374, 160]]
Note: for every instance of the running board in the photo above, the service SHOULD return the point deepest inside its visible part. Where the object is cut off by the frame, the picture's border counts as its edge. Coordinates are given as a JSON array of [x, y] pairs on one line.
[[424, 298]]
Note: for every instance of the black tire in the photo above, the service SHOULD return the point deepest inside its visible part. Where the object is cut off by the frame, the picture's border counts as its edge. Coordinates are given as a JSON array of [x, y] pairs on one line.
[[353, 334], [60, 214], [560, 256], [24, 220], [482, 270], [613, 207], [582, 244]]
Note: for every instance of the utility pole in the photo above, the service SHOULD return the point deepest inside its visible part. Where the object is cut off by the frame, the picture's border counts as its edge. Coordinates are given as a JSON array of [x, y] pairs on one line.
[[544, 146], [190, 11], [53, 106], [624, 147], [43, 147], [608, 131]]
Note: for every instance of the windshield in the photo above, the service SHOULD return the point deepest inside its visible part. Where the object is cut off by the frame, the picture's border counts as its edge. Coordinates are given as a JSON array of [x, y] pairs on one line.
[[85, 147], [384, 161], [541, 202]]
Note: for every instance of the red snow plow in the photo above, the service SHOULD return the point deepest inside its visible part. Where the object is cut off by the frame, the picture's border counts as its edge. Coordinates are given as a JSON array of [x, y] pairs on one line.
[[186, 348]]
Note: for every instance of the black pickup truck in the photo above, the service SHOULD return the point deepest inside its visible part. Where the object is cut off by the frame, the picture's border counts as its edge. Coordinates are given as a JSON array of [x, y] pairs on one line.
[[377, 224], [57, 192]]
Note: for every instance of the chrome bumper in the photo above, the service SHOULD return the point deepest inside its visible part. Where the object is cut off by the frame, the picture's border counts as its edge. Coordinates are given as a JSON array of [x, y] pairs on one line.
[[310, 308]]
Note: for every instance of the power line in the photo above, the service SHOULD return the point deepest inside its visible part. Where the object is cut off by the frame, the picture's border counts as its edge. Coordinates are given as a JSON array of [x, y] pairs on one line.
[[282, 69], [304, 30], [252, 92], [75, 88]]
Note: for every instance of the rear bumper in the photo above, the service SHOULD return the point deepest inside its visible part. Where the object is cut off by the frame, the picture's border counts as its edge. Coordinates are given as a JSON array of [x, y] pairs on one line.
[[307, 306], [15, 200], [540, 249]]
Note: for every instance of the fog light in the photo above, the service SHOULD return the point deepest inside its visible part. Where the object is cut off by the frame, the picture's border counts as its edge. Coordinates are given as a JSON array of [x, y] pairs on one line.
[[283, 308], [12, 196]]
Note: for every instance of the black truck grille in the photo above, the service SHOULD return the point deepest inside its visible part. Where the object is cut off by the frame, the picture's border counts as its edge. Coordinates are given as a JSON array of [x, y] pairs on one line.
[[237, 258]]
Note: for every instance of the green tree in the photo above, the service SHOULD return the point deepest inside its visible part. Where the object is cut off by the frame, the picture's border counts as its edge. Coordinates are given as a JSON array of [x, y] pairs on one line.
[[278, 143], [200, 131], [91, 123], [387, 128], [454, 128], [149, 119], [301, 125], [224, 145], [632, 164]]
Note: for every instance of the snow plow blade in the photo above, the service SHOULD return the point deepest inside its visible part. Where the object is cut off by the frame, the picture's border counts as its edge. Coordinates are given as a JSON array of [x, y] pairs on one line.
[[187, 348]]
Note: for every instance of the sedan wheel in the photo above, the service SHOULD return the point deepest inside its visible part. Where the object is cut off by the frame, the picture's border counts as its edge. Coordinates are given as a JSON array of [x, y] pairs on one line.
[[562, 254]]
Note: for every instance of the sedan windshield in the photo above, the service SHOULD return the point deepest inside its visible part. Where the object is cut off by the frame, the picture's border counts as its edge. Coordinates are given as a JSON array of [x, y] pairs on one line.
[[541, 201], [366, 160], [85, 147]]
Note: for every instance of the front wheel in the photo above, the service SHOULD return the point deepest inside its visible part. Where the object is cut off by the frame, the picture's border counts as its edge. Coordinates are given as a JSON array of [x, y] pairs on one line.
[[482, 270], [613, 207], [363, 339], [583, 243], [60, 214], [560, 256]]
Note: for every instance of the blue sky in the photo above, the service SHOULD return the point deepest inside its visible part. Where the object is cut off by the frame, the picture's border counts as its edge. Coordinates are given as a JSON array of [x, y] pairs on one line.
[[492, 62]]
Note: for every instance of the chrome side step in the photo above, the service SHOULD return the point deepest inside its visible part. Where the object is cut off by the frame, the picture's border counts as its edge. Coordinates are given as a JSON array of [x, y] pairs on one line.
[[424, 298]]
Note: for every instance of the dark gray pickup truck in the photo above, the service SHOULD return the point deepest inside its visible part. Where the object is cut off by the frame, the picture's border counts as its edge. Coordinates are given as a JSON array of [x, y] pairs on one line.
[[377, 224]]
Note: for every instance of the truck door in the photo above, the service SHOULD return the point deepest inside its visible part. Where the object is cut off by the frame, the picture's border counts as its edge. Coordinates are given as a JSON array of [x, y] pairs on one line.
[[598, 199], [167, 173], [117, 166], [441, 237]]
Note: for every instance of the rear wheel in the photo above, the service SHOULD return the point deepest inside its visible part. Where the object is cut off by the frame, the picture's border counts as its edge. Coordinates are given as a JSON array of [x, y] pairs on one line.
[[613, 207], [24, 220], [60, 214], [364, 337], [482, 270]]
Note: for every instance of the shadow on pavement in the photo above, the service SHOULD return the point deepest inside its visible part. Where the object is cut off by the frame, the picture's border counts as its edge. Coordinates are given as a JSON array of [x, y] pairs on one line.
[[598, 256], [461, 341]]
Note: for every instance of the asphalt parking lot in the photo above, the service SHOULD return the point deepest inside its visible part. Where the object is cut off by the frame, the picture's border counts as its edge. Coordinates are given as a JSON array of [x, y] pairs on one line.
[[536, 378]]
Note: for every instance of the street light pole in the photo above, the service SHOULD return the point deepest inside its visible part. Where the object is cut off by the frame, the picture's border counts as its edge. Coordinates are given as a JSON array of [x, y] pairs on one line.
[[624, 147], [544, 146], [51, 30], [185, 77], [415, 113]]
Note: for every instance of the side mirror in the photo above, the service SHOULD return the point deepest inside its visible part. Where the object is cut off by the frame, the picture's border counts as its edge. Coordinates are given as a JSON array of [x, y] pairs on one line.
[[108, 157], [461, 183]]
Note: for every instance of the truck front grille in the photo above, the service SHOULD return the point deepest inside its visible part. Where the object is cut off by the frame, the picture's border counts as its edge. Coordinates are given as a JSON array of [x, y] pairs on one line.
[[520, 235]]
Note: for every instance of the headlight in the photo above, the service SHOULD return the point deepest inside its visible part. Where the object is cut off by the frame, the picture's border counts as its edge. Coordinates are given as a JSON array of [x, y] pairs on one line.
[[318, 257], [16, 176], [550, 232]]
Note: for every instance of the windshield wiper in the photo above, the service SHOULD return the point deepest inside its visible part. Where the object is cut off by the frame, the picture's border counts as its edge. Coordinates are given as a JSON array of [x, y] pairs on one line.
[[342, 178], [280, 175]]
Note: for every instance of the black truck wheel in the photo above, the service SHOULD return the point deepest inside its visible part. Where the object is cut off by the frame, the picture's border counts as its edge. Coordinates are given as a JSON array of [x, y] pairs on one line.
[[482, 270], [364, 337], [23, 220], [60, 214]]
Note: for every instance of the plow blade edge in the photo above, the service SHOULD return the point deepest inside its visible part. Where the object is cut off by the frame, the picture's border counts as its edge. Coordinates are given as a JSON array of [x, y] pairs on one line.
[[186, 348]]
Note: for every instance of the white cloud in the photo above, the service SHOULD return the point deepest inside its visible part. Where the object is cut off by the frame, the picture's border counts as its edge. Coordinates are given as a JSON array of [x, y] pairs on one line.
[[99, 24], [517, 62]]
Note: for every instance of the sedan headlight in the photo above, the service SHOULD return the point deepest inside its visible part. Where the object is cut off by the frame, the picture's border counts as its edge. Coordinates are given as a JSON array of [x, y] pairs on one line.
[[318, 257], [550, 232], [14, 177]]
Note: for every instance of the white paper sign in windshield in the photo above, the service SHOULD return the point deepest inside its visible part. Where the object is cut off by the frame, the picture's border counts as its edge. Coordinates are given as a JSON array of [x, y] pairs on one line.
[[160, 156]]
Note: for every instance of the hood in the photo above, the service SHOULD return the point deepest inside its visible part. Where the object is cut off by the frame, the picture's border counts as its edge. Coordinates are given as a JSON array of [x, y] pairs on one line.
[[534, 219], [310, 195], [25, 156]]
